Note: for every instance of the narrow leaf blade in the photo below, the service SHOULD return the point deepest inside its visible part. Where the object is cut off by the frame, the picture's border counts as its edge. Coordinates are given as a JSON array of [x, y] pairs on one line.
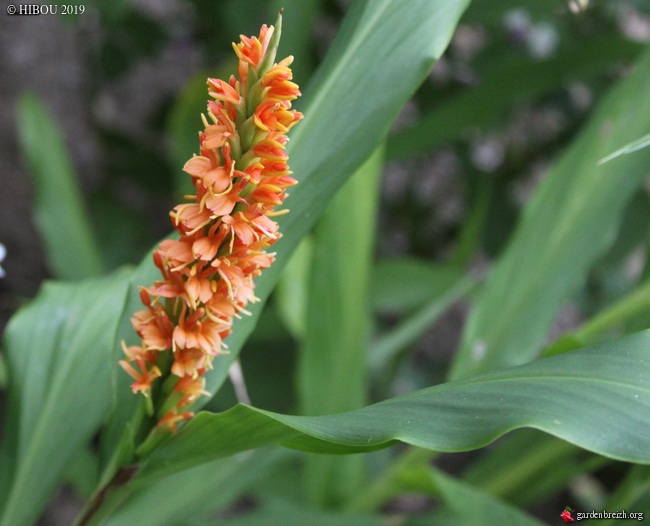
[[61, 217], [570, 221]]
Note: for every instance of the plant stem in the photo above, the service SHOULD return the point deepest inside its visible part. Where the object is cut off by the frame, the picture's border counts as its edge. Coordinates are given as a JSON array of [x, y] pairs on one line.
[[634, 303], [107, 498]]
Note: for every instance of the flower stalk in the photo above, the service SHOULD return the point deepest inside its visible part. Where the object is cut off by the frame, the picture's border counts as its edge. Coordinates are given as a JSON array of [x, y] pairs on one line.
[[240, 176]]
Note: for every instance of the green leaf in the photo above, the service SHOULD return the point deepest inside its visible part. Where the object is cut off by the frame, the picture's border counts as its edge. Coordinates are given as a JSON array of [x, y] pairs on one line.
[[332, 373], [596, 398], [569, 223], [60, 216], [642, 142], [197, 491], [59, 391], [485, 508], [291, 292], [277, 513], [400, 284]]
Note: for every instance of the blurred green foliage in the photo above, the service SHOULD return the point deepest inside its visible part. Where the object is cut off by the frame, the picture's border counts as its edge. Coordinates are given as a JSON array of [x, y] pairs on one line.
[[492, 196]]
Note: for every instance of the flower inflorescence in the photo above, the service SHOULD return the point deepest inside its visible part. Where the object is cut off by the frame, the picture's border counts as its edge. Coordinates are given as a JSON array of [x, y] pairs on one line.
[[240, 176]]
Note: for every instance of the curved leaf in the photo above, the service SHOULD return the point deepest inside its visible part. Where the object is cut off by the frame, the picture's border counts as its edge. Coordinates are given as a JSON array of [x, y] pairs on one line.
[[485, 508], [58, 348], [197, 491], [597, 398]]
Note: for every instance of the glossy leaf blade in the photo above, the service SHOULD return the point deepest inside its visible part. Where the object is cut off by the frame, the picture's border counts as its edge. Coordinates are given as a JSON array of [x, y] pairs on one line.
[[596, 398]]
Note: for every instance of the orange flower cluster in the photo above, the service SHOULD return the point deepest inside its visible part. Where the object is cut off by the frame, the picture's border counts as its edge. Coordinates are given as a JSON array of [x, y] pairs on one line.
[[240, 176]]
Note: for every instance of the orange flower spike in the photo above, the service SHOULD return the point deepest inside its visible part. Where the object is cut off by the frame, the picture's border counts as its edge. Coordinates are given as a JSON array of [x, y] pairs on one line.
[[240, 174]]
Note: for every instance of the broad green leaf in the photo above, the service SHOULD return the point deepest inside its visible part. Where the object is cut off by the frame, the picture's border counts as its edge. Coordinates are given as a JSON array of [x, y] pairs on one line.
[[567, 225], [196, 492], [596, 398], [516, 80], [284, 514], [60, 216], [332, 372], [58, 349], [527, 465]]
